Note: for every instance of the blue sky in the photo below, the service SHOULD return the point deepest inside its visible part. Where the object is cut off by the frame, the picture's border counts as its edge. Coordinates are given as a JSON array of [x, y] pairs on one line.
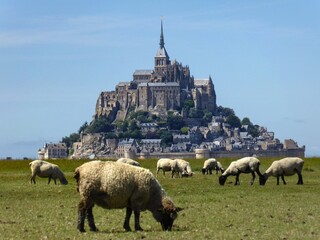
[[57, 56]]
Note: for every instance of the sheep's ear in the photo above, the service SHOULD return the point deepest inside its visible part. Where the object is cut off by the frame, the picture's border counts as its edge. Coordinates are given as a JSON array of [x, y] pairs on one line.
[[178, 209]]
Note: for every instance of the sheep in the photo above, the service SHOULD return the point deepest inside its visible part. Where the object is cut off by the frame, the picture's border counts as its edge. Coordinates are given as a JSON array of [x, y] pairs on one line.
[[167, 164], [184, 168], [243, 165], [45, 169], [211, 164], [284, 167], [129, 161], [115, 185]]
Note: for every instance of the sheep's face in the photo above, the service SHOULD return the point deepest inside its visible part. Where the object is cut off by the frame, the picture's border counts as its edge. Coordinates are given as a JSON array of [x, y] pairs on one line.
[[222, 180], [167, 218], [64, 181], [262, 180], [203, 170]]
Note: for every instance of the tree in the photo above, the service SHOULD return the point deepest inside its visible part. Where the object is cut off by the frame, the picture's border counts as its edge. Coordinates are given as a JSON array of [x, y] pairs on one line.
[[99, 125], [234, 121], [175, 122], [246, 121], [72, 138], [207, 116], [83, 127], [166, 138], [184, 130], [226, 112]]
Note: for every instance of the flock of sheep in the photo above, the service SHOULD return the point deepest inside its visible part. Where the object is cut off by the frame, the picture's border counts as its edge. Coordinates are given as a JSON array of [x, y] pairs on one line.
[[125, 184]]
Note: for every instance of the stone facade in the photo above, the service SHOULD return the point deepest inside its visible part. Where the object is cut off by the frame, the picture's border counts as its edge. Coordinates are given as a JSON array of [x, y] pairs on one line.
[[53, 150], [163, 88]]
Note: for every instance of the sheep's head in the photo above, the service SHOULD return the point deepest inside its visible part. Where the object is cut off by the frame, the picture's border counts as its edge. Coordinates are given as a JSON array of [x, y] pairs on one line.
[[167, 213], [222, 180], [63, 181], [203, 170], [167, 217], [262, 180]]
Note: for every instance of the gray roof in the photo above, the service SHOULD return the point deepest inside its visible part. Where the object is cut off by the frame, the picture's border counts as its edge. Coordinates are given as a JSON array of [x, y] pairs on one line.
[[121, 84], [200, 82], [143, 72], [160, 84], [162, 53], [150, 140]]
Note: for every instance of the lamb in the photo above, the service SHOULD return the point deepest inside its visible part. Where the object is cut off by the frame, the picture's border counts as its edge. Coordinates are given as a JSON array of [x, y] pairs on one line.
[[212, 164], [129, 161], [167, 164], [115, 185], [184, 168], [284, 167], [45, 169], [243, 165]]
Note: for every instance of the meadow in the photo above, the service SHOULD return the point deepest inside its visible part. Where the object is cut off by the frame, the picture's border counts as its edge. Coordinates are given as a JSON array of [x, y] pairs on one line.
[[211, 211]]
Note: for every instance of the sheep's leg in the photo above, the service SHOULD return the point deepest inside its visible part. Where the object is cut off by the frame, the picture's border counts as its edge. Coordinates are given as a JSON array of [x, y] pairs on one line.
[[137, 221], [91, 220], [126, 224], [278, 180], [237, 179], [253, 178], [258, 172], [55, 182], [284, 182], [300, 181], [49, 180], [33, 179], [81, 216]]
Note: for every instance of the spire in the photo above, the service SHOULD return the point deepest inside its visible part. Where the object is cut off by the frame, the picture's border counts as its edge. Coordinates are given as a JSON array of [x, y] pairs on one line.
[[161, 37]]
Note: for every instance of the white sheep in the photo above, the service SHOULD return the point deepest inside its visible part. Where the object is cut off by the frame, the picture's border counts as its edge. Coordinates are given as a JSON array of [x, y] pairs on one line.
[[212, 164], [45, 169], [115, 185], [166, 165], [129, 161], [184, 168], [243, 165], [284, 167]]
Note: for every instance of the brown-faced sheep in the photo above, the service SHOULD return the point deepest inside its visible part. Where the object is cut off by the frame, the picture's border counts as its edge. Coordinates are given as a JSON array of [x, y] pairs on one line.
[[45, 169], [117, 185], [284, 167], [243, 165], [129, 161]]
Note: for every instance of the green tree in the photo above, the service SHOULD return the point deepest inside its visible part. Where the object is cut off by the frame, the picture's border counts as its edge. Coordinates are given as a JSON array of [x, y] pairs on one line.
[[246, 121], [83, 127], [175, 122], [72, 138], [226, 112], [234, 121], [99, 125], [184, 130], [166, 138], [207, 116]]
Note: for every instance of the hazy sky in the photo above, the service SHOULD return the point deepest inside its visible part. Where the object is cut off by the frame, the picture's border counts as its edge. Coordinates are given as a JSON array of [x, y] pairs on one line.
[[57, 56]]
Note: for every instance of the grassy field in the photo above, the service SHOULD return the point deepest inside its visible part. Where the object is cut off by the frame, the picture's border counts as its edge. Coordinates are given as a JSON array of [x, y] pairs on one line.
[[211, 211]]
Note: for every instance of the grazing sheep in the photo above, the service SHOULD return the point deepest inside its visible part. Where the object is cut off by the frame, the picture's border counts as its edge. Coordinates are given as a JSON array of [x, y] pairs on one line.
[[129, 161], [184, 168], [117, 185], [243, 165], [45, 169], [284, 167], [167, 164], [212, 164]]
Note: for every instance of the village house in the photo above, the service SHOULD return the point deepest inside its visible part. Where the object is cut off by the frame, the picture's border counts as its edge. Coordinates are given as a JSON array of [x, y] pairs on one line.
[[53, 150]]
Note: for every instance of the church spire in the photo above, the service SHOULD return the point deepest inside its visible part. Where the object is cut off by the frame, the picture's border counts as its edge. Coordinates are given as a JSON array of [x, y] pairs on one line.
[[161, 37]]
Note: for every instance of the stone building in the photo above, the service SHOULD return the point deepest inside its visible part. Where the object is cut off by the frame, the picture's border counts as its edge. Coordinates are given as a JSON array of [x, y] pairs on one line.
[[166, 87], [53, 150]]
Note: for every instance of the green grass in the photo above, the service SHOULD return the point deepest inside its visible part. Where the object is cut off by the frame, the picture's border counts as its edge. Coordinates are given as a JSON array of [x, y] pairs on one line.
[[211, 211]]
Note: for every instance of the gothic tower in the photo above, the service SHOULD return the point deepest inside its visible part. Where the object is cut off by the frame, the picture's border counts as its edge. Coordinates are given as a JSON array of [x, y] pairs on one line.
[[161, 60]]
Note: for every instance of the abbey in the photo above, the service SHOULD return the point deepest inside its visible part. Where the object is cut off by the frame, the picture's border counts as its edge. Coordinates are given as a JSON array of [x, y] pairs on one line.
[[164, 88]]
